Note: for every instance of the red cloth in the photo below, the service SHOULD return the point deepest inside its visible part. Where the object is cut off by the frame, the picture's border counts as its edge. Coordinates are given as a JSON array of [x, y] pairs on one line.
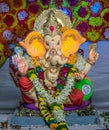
[[26, 99], [76, 97], [25, 85]]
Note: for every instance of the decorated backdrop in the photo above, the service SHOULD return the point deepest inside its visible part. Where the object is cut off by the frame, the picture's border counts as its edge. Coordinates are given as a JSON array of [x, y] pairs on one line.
[[17, 17]]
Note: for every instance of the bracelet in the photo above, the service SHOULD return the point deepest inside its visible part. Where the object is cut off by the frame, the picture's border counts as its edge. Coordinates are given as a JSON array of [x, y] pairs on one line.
[[88, 61]]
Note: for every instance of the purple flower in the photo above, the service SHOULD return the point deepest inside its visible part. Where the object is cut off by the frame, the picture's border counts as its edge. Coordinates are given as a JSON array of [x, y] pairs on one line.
[[22, 15], [29, 1], [82, 27], [58, 2], [63, 82], [58, 81], [106, 33], [82, 12], [73, 2], [88, 0], [9, 20], [4, 8], [34, 8], [45, 2], [7, 34], [65, 75], [106, 16]]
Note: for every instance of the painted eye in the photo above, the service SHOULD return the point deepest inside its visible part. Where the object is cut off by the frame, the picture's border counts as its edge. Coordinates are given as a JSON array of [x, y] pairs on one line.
[[47, 43], [58, 43]]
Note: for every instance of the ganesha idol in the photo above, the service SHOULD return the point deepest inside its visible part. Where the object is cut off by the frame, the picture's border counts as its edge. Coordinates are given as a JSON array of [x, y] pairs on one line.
[[51, 74]]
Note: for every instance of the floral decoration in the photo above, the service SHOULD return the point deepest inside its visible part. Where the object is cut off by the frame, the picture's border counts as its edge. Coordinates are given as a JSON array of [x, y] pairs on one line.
[[7, 34], [2, 26], [82, 12], [2, 57], [67, 11], [95, 21], [10, 20], [22, 15], [105, 3], [33, 8], [21, 30], [96, 8], [73, 2], [105, 15], [88, 1], [106, 32], [1, 47], [58, 3], [43, 3], [30, 1], [17, 39], [4, 7], [93, 35], [82, 26], [30, 22], [18, 4]]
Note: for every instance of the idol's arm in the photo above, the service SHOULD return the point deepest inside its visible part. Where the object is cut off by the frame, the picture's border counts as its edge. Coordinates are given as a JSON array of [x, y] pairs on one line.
[[92, 58]]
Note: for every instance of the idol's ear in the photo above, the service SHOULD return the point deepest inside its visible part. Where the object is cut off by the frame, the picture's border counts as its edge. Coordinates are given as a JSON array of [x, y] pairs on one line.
[[33, 44], [71, 41]]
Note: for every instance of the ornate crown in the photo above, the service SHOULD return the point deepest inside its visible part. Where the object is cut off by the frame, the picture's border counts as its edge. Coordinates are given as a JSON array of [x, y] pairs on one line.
[[52, 26], [51, 21]]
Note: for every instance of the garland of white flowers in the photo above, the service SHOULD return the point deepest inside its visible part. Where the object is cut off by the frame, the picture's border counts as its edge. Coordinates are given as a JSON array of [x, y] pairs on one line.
[[58, 114], [58, 99]]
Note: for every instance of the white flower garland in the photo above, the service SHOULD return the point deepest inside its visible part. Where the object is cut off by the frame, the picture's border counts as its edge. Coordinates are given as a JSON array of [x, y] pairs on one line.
[[58, 114], [48, 98]]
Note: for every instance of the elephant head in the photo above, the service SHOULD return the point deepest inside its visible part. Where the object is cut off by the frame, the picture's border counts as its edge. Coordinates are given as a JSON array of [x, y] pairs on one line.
[[54, 46]]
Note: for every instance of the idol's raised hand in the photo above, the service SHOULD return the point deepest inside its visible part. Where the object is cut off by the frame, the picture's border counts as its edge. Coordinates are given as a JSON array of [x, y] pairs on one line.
[[22, 65], [93, 55]]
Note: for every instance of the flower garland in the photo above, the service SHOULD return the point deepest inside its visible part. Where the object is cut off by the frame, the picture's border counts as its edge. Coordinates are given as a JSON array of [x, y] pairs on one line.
[[58, 99], [54, 116]]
